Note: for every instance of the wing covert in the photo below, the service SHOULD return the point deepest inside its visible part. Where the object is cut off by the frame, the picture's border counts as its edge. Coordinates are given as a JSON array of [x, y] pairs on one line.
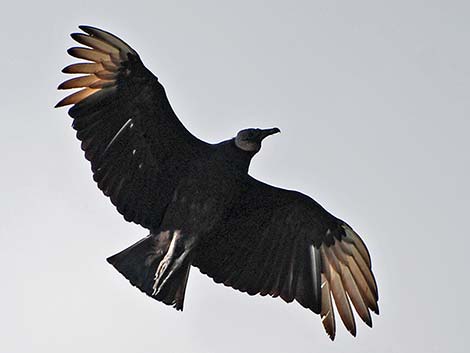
[[134, 141], [283, 243]]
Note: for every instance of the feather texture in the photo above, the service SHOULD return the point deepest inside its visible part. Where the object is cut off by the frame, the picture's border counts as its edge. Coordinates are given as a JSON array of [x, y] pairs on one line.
[[327, 311], [107, 54], [257, 238], [277, 256], [349, 278], [113, 87]]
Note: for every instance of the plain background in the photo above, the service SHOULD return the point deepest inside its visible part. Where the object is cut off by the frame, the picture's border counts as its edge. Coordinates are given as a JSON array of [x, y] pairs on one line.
[[372, 98]]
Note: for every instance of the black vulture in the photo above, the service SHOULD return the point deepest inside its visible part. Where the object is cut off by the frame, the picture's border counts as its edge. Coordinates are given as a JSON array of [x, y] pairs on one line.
[[198, 201]]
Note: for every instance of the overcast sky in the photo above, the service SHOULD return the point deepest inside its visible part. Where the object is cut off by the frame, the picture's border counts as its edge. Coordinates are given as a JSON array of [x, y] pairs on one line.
[[372, 98]]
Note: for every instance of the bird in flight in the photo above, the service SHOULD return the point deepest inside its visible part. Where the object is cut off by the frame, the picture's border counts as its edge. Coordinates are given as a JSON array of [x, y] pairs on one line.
[[198, 201]]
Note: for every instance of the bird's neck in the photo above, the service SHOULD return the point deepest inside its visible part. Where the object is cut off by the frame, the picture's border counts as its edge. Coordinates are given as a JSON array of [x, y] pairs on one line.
[[234, 158]]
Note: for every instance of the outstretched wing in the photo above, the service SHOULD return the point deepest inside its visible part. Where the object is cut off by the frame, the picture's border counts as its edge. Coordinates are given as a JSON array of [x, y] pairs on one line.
[[283, 243], [137, 147]]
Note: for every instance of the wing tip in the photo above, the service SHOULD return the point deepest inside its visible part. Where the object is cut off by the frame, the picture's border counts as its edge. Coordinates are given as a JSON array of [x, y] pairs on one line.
[[63, 103], [358, 280], [109, 38], [376, 309], [91, 30], [75, 35], [86, 28], [331, 334], [353, 331], [61, 86]]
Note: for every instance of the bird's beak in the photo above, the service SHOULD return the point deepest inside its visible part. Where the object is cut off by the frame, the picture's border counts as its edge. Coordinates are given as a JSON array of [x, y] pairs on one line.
[[268, 132]]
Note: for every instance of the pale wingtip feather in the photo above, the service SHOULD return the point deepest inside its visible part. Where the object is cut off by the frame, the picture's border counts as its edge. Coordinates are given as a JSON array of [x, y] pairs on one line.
[[355, 295], [351, 281], [109, 38], [342, 301], [83, 68], [95, 43], [76, 97], [89, 54], [354, 238], [78, 82], [327, 311]]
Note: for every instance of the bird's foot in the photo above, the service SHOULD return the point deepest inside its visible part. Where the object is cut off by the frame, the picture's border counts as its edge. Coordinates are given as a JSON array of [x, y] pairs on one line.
[[177, 255]]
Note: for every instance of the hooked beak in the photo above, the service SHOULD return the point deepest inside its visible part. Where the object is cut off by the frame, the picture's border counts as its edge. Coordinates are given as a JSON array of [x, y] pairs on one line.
[[267, 132]]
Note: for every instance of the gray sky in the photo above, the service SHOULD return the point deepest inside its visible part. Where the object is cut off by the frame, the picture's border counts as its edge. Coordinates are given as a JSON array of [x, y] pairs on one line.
[[372, 99]]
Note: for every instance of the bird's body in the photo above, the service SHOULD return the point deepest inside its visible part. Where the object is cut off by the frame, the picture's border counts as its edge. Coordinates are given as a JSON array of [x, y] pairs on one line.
[[198, 201]]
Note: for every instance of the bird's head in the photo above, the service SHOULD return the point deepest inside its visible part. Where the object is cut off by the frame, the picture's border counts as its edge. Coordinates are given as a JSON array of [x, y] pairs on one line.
[[249, 140]]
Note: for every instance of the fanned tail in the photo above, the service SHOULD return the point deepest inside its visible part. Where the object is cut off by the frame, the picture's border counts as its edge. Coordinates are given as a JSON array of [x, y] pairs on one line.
[[140, 262]]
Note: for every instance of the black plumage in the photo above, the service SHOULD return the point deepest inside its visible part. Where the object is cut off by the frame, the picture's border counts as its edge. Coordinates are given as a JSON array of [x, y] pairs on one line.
[[198, 201]]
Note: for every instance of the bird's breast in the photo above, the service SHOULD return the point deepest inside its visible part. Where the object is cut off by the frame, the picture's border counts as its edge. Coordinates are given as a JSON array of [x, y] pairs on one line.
[[202, 200]]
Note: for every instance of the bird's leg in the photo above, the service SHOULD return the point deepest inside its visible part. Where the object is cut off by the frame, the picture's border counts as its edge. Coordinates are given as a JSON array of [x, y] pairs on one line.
[[177, 255]]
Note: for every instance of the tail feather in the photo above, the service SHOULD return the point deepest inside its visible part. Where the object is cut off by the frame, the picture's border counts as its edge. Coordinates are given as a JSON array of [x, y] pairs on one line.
[[139, 263], [173, 292]]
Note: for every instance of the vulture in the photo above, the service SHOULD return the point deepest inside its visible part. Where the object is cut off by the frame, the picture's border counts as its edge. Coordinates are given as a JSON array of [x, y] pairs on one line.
[[198, 201]]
